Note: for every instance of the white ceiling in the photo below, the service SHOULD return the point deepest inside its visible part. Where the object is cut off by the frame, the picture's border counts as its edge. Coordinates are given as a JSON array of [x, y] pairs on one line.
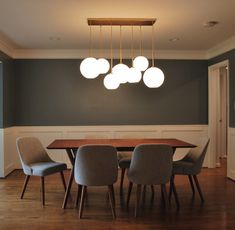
[[61, 24]]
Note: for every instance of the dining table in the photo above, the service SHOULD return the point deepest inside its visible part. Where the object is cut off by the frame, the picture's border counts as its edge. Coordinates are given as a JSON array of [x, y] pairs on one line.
[[126, 144]]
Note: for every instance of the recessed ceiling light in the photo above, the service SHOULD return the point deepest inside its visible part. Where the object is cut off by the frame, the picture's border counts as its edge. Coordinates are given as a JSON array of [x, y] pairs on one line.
[[174, 39], [54, 38], [210, 24]]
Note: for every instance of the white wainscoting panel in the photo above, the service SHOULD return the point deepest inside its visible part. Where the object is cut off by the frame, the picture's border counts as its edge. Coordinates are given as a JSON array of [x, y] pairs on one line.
[[1, 152], [231, 154], [187, 134], [47, 134], [10, 155]]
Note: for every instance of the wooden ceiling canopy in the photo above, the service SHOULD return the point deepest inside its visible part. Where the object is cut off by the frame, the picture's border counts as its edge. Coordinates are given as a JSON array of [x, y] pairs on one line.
[[121, 21]]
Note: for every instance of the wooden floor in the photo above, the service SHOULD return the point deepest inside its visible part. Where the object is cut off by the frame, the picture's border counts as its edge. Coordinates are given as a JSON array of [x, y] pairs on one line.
[[218, 212]]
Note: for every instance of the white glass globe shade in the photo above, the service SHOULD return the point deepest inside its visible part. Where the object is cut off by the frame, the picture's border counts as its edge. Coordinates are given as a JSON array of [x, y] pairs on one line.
[[122, 72], [111, 81], [134, 75], [103, 65], [153, 77], [89, 68], [141, 63]]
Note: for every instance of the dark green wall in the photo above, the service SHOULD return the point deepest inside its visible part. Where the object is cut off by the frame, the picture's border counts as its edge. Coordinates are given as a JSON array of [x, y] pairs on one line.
[[53, 92], [7, 91], [231, 57]]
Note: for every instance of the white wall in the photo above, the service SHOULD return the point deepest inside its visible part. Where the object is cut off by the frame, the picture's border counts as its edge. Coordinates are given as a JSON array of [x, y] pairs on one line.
[[231, 154], [1, 153]]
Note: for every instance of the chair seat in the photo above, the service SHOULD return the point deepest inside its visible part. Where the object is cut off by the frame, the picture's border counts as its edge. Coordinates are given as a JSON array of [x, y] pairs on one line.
[[124, 162], [124, 159], [183, 168], [46, 168]]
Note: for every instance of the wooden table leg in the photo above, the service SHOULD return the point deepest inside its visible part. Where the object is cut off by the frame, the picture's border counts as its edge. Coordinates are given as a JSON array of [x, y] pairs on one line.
[[71, 156]]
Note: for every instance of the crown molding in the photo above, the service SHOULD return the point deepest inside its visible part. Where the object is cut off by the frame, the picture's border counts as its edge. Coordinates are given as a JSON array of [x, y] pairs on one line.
[[6, 48], [15, 53], [221, 48], [80, 54]]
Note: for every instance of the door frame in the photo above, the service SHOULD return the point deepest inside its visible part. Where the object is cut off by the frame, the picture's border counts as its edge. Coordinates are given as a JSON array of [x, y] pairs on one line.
[[1, 129], [212, 130]]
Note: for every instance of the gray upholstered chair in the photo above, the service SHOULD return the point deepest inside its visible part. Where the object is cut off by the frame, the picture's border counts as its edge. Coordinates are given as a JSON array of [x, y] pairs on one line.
[[96, 165], [191, 165], [36, 162], [151, 164], [124, 161]]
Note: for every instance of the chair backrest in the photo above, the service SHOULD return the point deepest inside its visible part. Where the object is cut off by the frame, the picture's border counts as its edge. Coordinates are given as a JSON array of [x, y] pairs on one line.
[[30, 151], [96, 165], [151, 164], [197, 155]]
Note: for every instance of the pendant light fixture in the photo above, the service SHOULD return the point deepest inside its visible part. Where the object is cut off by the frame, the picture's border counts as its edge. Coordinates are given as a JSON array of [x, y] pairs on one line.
[[89, 66], [141, 63], [153, 77]]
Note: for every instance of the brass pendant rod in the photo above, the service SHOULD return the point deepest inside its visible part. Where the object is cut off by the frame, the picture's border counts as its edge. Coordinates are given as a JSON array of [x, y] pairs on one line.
[[120, 44], [111, 49], [132, 45], [140, 41], [101, 47], [90, 44], [152, 46]]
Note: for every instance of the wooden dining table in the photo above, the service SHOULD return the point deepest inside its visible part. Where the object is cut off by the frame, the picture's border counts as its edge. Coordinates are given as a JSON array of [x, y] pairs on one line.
[[126, 144]]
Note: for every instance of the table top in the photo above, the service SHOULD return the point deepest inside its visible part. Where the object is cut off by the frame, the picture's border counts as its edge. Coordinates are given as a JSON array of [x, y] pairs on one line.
[[126, 144]]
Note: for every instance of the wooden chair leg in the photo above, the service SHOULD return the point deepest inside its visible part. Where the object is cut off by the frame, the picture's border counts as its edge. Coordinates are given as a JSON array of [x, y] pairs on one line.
[[122, 180], [63, 180], [143, 193], [171, 189], [191, 184], [112, 188], [164, 193], [82, 201], [78, 195], [198, 188], [172, 184], [152, 189], [129, 193], [24, 186], [112, 200], [43, 191], [138, 196]]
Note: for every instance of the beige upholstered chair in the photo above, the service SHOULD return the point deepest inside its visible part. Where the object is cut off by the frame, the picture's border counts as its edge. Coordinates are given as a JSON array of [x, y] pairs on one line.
[[191, 165], [96, 165], [151, 164], [36, 162]]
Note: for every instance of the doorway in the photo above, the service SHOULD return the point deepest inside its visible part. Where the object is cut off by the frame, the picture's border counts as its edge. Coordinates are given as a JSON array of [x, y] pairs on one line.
[[218, 82]]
